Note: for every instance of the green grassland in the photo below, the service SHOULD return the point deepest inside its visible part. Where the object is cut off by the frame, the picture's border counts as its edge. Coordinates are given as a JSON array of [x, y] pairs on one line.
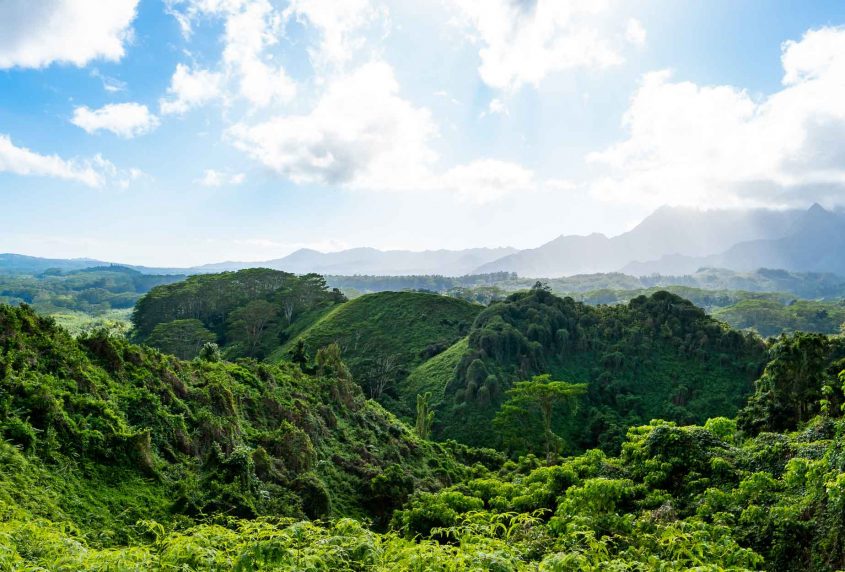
[[384, 336]]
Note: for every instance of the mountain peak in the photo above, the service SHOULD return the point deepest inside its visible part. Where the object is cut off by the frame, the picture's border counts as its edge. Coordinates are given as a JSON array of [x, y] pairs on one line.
[[816, 208]]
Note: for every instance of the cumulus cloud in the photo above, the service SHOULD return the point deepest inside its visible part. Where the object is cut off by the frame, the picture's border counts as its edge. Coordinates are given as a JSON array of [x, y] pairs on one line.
[[251, 29], [212, 178], [190, 88], [37, 34], [523, 41], [22, 161], [705, 145], [340, 25], [360, 133], [124, 119]]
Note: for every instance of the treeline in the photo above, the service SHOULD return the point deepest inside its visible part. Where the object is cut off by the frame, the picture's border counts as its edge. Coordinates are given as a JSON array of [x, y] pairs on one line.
[[248, 313], [93, 291]]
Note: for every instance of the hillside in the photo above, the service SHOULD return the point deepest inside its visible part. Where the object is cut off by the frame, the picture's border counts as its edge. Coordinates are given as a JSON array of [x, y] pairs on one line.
[[655, 357], [248, 313], [99, 433], [384, 336], [116, 457], [95, 290]]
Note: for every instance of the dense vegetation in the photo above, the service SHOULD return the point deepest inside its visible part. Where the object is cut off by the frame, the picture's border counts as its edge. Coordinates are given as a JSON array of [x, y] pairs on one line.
[[383, 336], [97, 421], [808, 285], [248, 313], [117, 457], [656, 357], [93, 291], [769, 302]]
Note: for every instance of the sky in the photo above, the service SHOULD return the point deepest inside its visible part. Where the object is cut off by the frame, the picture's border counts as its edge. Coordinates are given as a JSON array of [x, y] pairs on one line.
[[182, 132]]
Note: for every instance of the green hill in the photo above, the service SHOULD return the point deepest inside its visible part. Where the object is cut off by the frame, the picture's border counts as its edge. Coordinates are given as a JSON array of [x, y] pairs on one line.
[[98, 433], [117, 457], [383, 336], [656, 357], [249, 313]]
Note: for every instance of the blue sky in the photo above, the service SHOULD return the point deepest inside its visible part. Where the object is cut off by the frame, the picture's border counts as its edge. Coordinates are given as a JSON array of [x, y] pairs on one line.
[[189, 131]]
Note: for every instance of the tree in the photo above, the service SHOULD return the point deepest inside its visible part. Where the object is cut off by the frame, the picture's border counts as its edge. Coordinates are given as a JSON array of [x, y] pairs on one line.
[[541, 394], [425, 416], [299, 355], [792, 387], [249, 323], [329, 363], [182, 338], [210, 352]]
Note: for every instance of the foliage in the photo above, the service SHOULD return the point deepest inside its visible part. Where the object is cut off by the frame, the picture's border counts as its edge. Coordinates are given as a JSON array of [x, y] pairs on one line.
[[656, 357], [425, 416], [115, 432], [182, 338], [250, 312], [799, 381], [92, 291], [382, 337], [542, 395], [117, 457]]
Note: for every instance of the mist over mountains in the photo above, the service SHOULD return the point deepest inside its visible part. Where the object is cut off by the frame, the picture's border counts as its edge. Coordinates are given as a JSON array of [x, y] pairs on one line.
[[670, 241]]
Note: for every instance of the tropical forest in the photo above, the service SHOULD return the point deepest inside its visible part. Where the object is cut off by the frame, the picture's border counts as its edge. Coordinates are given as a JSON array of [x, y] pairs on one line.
[[422, 286]]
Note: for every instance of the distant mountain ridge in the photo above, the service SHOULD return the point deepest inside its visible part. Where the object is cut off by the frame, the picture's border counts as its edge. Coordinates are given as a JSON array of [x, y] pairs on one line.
[[812, 242], [670, 241], [666, 233]]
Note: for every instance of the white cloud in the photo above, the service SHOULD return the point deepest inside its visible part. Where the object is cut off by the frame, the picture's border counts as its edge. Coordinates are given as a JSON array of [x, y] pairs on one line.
[[360, 133], [487, 180], [495, 107], [212, 178], [340, 25], [635, 33], [522, 41], [249, 32], [251, 29], [190, 88], [124, 119], [704, 145], [22, 161], [110, 84], [35, 34]]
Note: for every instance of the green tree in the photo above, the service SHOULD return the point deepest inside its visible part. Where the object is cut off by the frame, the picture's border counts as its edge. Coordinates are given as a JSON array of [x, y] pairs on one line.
[[329, 363], [182, 338], [541, 394], [791, 388], [299, 355], [249, 324], [210, 352], [425, 415]]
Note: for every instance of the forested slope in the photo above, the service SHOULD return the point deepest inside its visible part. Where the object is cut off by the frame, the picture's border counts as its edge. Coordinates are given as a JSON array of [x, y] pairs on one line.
[[656, 357], [117, 457], [249, 313], [101, 433], [383, 336]]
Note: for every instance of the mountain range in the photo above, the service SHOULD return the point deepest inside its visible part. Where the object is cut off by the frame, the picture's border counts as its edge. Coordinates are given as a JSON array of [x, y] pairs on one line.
[[672, 240]]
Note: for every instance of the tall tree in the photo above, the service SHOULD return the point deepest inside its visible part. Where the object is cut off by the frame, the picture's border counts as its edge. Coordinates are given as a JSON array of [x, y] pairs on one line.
[[249, 324], [540, 395], [425, 416]]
